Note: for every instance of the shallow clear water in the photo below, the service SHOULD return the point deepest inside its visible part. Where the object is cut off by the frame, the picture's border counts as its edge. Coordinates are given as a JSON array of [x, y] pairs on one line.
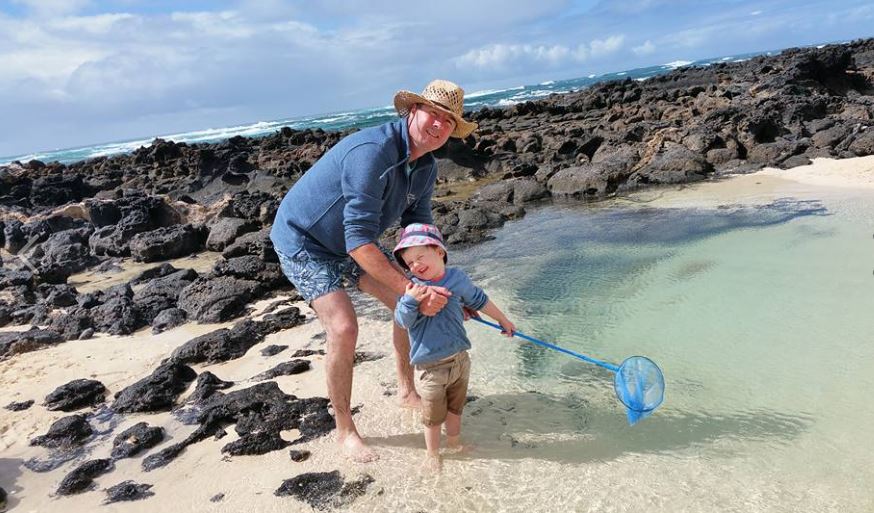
[[760, 318]]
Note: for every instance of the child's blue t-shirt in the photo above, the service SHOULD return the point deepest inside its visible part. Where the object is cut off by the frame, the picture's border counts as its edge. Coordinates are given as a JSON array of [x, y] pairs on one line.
[[440, 336]]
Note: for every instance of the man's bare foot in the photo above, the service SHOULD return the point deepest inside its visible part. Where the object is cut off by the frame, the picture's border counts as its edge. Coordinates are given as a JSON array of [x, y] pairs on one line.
[[433, 463], [409, 400], [356, 450]]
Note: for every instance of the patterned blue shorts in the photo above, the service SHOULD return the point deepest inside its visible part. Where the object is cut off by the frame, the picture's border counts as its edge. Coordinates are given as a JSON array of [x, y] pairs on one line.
[[317, 276]]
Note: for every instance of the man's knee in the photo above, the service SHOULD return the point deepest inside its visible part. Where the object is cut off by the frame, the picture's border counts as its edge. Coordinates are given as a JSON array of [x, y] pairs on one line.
[[343, 333]]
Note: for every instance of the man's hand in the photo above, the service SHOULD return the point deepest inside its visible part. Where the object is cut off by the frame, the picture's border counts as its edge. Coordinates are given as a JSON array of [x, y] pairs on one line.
[[434, 301]]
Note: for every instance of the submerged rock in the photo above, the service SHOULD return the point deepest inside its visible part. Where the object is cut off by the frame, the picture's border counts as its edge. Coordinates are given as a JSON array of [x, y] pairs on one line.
[[156, 392], [82, 477], [128, 491], [136, 439], [324, 490], [65, 432], [76, 394]]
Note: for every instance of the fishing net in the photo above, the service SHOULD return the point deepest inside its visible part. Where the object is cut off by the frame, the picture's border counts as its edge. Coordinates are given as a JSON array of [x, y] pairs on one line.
[[640, 385]]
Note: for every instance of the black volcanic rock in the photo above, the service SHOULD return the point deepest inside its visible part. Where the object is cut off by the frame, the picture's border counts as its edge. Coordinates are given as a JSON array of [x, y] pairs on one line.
[[135, 439], [76, 394], [65, 432], [127, 491], [253, 444], [207, 384], [273, 349], [217, 299], [227, 344], [156, 392], [284, 369], [254, 243], [324, 490], [225, 230], [167, 319], [250, 267], [166, 243], [82, 477], [161, 293], [14, 342], [65, 253], [19, 406], [262, 408]]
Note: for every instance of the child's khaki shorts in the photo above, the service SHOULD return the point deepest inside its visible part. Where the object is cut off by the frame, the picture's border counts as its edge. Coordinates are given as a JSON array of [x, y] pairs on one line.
[[443, 387]]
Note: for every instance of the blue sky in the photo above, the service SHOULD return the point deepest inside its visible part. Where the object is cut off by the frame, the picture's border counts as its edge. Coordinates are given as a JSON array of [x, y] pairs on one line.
[[79, 72]]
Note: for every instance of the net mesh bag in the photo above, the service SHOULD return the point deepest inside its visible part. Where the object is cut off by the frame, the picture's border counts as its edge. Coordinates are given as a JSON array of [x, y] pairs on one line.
[[640, 385]]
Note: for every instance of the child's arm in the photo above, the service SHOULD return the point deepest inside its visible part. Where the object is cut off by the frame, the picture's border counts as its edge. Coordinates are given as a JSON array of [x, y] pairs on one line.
[[508, 328], [407, 310]]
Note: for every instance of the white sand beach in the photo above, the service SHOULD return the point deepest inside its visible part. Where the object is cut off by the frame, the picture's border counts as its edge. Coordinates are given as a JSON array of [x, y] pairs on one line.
[[203, 479]]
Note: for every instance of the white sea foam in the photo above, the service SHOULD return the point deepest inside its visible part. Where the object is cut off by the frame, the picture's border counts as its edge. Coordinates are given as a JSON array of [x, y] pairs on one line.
[[678, 64], [548, 82]]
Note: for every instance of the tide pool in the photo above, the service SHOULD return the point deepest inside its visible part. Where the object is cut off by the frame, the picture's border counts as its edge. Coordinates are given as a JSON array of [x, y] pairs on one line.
[[758, 310]]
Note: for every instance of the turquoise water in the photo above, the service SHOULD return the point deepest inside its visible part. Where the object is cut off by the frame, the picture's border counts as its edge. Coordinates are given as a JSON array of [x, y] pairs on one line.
[[759, 316]]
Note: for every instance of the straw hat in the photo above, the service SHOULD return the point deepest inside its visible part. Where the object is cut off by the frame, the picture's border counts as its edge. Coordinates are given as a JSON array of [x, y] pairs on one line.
[[442, 95]]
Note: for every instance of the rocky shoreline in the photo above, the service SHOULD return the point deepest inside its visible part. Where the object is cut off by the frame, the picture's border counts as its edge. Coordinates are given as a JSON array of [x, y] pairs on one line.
[[172, 200]]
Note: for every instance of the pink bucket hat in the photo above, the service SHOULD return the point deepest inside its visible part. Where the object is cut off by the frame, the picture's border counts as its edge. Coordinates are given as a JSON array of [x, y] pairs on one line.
[[419, 234]]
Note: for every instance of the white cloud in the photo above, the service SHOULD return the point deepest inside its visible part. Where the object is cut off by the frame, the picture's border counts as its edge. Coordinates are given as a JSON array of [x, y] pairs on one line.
[[506, 56], [755, 13], [600, 47], [646, 48]]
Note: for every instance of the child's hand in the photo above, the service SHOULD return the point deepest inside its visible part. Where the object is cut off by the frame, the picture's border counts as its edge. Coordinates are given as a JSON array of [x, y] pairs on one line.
[[507, 327], [418, 292]]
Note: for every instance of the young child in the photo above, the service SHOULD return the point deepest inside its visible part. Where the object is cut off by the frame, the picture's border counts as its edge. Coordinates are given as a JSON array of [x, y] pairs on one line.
[[439, 344]]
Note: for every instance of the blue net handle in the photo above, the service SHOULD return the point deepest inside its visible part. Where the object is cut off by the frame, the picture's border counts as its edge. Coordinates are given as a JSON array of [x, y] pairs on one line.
[[599, 363]]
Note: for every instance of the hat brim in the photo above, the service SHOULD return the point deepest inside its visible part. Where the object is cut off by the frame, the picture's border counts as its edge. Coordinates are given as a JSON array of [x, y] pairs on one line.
[[404, 101]]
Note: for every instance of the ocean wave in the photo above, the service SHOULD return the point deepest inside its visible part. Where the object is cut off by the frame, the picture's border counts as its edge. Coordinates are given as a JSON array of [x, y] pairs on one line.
[[677, 64]]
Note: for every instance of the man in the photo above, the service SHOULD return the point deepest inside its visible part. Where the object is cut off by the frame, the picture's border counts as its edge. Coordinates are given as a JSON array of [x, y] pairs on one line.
[[327, 227]]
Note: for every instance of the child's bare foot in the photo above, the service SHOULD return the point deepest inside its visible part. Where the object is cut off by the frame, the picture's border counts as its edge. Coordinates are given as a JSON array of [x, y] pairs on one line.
[[356, 450], [433, 463], [454, 445]]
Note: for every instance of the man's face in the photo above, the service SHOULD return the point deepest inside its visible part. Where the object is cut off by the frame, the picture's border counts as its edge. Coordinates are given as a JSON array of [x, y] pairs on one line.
[[430, 128]]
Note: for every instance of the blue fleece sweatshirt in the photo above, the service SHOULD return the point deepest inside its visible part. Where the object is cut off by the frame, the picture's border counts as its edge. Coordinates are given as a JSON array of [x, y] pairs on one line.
[[358, 189], [435, 338]]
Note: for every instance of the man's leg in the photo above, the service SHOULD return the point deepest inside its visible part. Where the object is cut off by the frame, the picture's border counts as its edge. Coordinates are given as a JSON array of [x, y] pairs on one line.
[[406, 386], [341, 326]]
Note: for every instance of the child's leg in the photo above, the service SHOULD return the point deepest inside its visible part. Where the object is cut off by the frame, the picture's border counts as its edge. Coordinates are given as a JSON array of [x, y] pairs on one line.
[[432, 439], [456, 398], [453, 430]]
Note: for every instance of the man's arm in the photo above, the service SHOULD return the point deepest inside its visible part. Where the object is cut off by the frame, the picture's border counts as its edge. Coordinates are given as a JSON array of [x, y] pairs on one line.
[[374, 263]]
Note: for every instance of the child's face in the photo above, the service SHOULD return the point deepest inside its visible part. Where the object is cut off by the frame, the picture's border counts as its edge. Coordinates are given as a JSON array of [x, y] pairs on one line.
[[425, 262]]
